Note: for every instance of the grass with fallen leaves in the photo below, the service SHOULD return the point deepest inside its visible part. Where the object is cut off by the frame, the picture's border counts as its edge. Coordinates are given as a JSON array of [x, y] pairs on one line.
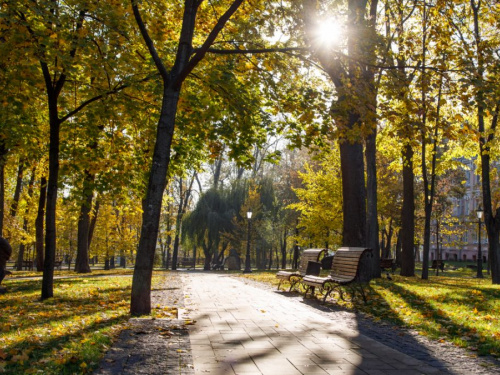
[[66, 334], [453, 307]]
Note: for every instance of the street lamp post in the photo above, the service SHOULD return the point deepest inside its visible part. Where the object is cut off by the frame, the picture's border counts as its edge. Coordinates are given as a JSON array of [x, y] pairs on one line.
[[479, 213], [247, 258]]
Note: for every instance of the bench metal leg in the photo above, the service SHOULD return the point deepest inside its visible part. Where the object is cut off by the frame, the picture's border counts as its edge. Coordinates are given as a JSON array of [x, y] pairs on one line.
[[309, 288], [294, 280], [279, 284], [327, 289]]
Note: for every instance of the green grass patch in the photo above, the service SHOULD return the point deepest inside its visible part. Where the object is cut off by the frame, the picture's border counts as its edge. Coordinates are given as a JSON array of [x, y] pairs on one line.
[[66, 334], [455, 307]]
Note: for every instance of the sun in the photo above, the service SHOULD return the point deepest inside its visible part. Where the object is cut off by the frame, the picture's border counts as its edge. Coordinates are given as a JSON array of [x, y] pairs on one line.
[[330, 32]]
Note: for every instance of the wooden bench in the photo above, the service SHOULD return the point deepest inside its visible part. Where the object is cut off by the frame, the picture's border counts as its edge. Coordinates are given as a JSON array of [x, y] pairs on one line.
[[388, 264], [58, 264], [187, 262], [309, 255], [438, 263], [345, 273], [28, 265]]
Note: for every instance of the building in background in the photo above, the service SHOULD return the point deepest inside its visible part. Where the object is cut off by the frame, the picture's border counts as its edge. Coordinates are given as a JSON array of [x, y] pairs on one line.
[[457, 232]]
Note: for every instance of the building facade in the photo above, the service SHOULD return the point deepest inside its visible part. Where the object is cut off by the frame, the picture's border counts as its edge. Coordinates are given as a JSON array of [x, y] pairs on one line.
[[457, 238]]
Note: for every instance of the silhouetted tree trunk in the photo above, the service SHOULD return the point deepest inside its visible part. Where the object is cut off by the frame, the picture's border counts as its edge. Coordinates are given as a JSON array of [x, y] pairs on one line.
[[82, 252], [39, 224], [18, 189], [408, 214], [14, 205], [183, 202], [3, 160], [283, 248], [398, 249], [354, 193], [295, 261], [22, 246]]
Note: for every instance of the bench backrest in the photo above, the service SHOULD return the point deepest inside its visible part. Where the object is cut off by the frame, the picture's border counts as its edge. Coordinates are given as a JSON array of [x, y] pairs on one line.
[[346, 262], [386, 263], [312, 255]]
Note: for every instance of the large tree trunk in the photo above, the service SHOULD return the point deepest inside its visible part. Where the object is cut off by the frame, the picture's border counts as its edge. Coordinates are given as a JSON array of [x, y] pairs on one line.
[[50, 216], [491, 218], [140, 303], [408, 214], [353, 193], [372, 238], [39, 224], [82, 253]]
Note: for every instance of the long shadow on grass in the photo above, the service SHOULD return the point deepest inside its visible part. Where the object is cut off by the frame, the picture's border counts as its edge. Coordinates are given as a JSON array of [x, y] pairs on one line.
[[35, 313], [445, 325], [47, 348]]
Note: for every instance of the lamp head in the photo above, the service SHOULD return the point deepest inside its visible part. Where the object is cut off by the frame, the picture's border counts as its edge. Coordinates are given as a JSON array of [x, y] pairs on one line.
[[479, 213], [249, 214]]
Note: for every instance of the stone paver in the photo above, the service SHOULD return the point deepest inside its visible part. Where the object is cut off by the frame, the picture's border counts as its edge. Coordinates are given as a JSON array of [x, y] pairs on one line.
[[241, 329]]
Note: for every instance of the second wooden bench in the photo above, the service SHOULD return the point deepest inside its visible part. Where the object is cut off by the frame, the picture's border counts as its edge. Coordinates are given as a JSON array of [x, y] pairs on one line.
[[309, 255]]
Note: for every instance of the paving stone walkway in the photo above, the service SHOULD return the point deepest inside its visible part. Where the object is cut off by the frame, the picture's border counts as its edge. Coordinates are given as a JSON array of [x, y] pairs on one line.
[[244, 329], [248, 328]]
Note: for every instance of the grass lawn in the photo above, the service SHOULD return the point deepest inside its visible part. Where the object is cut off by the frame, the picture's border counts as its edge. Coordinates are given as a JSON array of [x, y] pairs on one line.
[[455, 307], [66, 334]]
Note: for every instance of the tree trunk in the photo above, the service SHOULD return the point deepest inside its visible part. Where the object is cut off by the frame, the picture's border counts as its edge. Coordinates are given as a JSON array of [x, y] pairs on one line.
[[17, 190], [140, 303], [295, 261], [486, 138], [183, 201], [50, 215], [3, 161], [398, 249], [283, 249], [13, 209], [93, 221], [427, 240], [208, 257], [371, 203], [218, 167], [491, 218], [408, 214], [22, 246], [39, 224], [353, 193], [82, 252], [386, 250]]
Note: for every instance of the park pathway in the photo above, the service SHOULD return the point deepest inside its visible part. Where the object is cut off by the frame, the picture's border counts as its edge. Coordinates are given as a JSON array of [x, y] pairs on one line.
[[244, 329]]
